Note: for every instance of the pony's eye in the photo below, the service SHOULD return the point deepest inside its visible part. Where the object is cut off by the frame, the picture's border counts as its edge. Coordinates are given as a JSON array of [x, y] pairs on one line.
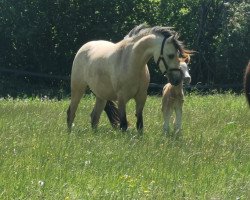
[[171, 56]]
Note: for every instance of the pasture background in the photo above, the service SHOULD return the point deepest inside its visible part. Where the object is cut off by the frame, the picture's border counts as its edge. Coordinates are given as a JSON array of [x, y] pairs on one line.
[[39, 39], [40, 160]]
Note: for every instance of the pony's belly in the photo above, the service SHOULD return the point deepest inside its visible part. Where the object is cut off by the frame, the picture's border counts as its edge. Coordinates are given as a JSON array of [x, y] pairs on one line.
[[104, 92], [100, 84]]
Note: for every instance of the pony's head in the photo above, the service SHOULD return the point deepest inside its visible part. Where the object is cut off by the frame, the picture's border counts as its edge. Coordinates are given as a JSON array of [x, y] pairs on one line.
[[170, 54], [167, 49]]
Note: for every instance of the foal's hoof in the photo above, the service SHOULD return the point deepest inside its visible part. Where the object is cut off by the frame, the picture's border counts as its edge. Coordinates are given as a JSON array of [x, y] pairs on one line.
[[178, 133], [165, 132]]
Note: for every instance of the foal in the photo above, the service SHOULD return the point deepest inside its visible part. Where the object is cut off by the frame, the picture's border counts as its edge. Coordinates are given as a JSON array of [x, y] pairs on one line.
[[247, 83], [173, 98]]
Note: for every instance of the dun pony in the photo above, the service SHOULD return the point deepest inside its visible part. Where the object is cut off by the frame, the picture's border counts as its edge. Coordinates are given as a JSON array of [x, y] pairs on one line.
[[119, 72]]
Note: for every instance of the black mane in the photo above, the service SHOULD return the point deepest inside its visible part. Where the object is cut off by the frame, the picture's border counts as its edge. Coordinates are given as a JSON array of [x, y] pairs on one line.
[[144, 29]]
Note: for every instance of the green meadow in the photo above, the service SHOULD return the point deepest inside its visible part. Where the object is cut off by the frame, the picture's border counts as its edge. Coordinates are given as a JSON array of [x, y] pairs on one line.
[[41, 160]]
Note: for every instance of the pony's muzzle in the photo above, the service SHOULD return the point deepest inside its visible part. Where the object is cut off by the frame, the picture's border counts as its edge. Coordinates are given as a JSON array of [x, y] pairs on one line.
[[175, 77], [187, 80], [175, 82]]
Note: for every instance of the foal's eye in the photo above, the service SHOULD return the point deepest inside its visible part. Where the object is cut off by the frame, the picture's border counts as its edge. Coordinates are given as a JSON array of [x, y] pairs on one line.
[[171, 56]]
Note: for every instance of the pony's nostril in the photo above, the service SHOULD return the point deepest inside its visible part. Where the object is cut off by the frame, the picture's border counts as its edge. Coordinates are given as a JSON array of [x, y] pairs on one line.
[[187, 79]]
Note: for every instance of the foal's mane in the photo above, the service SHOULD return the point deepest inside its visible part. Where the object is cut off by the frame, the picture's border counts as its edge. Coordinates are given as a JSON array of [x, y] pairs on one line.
[[144, 29]]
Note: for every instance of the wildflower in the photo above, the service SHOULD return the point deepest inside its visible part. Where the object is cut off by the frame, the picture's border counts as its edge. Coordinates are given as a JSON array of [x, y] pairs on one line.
[[87, 162], [41, 183]]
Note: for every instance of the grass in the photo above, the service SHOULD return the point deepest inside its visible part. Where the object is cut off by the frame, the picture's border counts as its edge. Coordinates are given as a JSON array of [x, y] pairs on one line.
[[40, 160]]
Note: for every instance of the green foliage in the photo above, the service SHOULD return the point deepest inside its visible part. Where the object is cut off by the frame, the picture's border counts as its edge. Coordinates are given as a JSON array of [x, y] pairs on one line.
[[43, 36], [233, 42], [40, 160]]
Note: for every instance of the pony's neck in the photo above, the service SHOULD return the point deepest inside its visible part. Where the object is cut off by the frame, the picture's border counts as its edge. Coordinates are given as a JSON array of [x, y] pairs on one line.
[[145, 48]]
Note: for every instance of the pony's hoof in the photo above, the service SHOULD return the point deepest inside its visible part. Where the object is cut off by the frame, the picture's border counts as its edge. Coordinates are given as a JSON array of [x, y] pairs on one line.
[[69, 131], [70, 128], [123, 127], [140, 132]]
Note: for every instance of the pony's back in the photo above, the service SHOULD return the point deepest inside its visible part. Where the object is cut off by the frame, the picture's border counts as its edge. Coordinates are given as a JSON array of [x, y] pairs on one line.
[[247, 83]]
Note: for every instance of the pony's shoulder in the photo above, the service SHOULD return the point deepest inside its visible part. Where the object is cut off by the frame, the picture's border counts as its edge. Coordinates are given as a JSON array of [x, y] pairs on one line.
[[95, 44]]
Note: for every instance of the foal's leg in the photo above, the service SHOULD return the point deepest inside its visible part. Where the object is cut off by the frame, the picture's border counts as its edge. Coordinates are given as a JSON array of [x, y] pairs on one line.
[[140, 102], [76, 95], [122, 114], [166, 116], [96, 113], [178, 119]]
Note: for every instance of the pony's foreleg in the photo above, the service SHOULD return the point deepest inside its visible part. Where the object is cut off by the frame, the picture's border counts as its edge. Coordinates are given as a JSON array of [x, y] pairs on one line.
[[122, 115], [96, 113], [140, 102], [76, 95]]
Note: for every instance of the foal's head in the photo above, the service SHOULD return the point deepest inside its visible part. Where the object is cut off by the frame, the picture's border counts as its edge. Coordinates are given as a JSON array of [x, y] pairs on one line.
[[180, 76], [185, 70]]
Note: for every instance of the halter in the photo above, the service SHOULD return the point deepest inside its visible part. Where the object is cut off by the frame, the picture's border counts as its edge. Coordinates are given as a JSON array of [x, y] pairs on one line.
[[161, 58]]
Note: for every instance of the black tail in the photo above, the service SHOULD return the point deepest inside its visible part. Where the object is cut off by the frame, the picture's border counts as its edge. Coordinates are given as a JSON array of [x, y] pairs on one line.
[[247, 83], [112, 113]]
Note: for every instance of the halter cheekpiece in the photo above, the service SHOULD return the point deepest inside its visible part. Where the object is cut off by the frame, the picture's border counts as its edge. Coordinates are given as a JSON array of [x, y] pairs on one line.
[[161, 58]]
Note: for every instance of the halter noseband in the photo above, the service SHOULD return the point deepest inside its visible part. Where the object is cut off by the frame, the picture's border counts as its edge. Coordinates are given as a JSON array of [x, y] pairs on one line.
[[161, 58]]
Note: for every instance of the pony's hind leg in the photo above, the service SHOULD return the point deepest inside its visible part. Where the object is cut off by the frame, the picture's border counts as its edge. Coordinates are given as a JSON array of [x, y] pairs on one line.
[[76, 95], [96, 113]]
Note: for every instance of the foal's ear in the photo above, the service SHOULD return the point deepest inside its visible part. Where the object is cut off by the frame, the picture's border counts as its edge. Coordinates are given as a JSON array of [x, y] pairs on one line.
[[186, 58]]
